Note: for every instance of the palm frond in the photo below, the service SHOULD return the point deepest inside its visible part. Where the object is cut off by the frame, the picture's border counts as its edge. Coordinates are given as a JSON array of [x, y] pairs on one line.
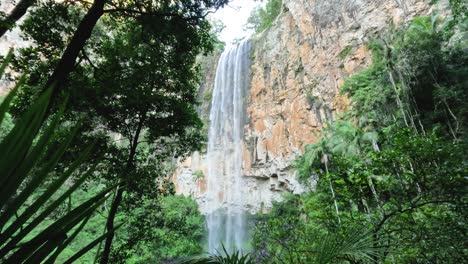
[[357, 244], [223, 257], [24, 171]]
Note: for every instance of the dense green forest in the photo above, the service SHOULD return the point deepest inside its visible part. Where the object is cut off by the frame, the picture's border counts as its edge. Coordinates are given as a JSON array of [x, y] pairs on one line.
[[106, 100]]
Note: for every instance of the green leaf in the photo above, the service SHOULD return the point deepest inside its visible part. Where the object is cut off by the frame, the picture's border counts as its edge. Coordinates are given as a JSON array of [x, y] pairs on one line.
[[67, 242], [17, 144]]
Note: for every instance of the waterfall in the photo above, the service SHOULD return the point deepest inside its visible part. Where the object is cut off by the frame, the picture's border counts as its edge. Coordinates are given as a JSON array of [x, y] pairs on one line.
[[224, 207]]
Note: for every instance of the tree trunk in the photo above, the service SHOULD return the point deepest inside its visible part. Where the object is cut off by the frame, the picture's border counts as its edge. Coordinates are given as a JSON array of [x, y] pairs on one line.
[[110, 225], [18, 11], [118, 198], [398, 100], [335, 202], [78, 41], [332, 190]]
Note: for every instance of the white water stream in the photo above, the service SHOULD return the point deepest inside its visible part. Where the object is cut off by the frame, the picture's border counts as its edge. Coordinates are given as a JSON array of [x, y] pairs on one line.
[[224, 205]]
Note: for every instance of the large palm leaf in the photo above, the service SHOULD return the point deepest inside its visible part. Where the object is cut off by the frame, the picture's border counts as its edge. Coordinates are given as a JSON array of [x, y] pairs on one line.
[[356, 244], [24, 170], [222, 258]]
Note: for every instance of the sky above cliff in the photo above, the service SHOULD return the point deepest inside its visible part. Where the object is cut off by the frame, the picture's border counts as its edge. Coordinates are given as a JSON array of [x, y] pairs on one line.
[[234, 16]]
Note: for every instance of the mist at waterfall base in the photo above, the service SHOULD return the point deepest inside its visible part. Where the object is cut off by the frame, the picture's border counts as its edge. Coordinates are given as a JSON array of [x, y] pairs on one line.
[[225, 216]]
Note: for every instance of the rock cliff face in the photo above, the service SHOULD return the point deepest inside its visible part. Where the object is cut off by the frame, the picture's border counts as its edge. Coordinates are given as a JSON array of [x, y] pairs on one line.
[[298, 66]]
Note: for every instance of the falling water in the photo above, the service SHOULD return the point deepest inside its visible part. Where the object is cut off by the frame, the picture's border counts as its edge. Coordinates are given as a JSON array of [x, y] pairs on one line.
[[225, 217]]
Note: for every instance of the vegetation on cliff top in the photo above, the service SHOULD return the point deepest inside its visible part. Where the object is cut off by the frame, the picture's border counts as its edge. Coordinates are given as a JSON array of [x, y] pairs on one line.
[[262, 18]]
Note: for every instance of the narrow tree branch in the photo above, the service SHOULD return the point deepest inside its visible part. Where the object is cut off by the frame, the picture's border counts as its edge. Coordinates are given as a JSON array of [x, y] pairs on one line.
[[410, 208], [161, 14]]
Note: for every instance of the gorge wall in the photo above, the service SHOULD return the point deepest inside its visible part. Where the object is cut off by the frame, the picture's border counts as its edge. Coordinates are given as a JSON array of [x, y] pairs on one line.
[[298, 66]]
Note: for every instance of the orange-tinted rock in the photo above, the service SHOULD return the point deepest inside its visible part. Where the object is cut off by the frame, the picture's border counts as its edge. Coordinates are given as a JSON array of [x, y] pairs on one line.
[[246, 157], [202, 185], [297, 69]]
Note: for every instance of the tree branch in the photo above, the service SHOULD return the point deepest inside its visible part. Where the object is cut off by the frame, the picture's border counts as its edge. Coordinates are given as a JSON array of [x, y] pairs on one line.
[[18, 11], [410, 208], [82, 34], [143, 13]]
